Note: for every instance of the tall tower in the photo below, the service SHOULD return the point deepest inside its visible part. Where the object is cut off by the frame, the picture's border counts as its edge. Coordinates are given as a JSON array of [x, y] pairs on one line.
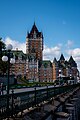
[[34, 42]]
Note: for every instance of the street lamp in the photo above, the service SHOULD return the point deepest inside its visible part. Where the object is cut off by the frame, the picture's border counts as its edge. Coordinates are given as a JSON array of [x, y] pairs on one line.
[[70, 78], [1, 88], [12, 61], [59, 76]]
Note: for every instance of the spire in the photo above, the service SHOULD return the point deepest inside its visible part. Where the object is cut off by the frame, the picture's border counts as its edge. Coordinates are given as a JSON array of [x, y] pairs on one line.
[[62, 58], [72, 62], [55, 60], [34, 29], [71, 58], [34, 33], [34, 23]]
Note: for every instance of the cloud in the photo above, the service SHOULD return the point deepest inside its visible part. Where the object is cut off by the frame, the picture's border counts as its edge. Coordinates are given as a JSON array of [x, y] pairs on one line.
[[69, 43], [74, 52], [76, 55], [50, 53], [16, 44]]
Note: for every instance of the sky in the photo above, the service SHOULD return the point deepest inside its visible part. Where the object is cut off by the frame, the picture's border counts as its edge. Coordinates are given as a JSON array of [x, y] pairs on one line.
[[59, 20]]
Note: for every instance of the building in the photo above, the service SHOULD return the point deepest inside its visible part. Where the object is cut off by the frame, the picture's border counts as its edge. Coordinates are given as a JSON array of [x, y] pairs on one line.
[[73, 65], [34, 43], [55, 68], [34, 51], [34, 67], [19, 68], [67, 68], [45, 71]]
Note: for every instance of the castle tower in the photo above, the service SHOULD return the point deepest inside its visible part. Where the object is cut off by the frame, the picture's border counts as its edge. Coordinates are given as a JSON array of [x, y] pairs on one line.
[[34, 43]]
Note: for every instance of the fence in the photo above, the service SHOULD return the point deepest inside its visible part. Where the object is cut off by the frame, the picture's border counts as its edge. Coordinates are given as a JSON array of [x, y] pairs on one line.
[[21, 101], [3, 79]]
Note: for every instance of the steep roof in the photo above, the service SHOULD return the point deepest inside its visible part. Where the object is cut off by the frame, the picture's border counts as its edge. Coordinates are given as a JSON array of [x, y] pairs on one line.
[[45, 63], [55, 60], [34, 28], [31, 56], [19, 53], [34, 32], [72, 62], [62, 58]]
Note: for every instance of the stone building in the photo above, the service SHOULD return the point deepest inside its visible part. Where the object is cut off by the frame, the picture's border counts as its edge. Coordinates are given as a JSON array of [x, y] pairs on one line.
[[45, 71], [55, 68], [68, 68], [34, 43], [34, 51], [19, 68], [34, 67]]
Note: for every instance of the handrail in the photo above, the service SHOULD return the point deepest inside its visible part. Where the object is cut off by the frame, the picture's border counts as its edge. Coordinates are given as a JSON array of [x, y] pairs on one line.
[[21, 101]]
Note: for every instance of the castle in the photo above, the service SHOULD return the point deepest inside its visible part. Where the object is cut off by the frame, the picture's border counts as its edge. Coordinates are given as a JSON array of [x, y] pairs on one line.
[[32, 66]]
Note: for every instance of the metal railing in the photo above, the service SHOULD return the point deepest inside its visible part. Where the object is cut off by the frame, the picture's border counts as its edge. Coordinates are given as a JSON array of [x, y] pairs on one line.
[[21, 101]]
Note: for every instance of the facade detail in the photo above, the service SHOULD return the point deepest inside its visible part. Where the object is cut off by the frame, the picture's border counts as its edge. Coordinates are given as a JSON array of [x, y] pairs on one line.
[[32, 68]]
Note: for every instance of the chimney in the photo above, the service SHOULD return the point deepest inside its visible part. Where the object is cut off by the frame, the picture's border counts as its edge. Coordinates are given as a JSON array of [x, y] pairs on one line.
[[16, 49]]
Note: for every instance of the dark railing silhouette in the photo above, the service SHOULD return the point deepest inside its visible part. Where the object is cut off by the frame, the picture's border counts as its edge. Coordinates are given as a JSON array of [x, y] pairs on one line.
[[21, 101]]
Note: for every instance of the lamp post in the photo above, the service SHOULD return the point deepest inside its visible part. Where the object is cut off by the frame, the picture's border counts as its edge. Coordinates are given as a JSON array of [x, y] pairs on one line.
[[70, 78], [1, 88], [59, 76], [12, 61]]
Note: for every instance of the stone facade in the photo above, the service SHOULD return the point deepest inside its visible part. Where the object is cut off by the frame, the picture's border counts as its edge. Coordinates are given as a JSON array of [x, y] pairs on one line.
[[45, 71], [34, 42]]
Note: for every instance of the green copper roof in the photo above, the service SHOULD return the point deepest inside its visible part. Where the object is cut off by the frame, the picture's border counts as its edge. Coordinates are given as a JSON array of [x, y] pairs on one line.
[[19, 53], [45, 63]]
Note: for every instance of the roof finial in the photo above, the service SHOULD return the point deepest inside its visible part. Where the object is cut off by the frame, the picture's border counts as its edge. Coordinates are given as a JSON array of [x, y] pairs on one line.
[[34, 24]]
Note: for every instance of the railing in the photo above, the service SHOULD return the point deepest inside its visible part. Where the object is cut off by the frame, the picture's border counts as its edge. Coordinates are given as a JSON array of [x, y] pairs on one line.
[[21, 101]]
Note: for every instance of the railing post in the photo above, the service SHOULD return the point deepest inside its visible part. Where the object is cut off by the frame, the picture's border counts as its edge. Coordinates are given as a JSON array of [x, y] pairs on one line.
[[59, 89], [12, 102], [47, 92], [35, 96], [1, 88], [54, 90]]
